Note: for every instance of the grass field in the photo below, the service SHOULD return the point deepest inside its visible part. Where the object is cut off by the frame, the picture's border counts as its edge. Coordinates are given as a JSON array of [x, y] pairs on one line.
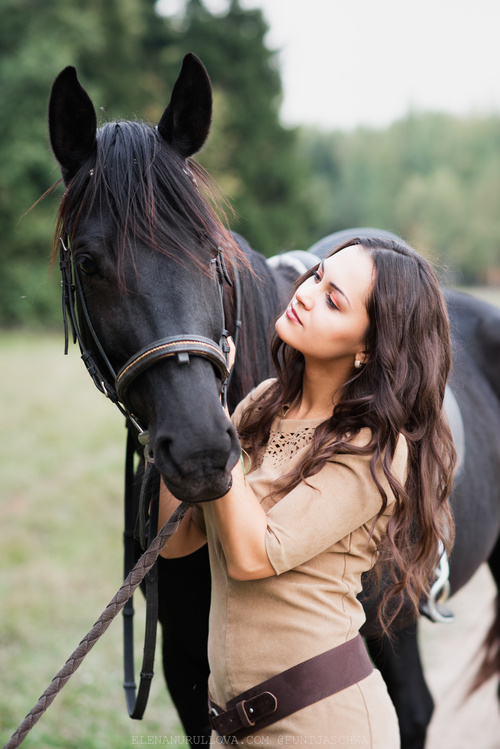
[[61, 505], [61, 522]]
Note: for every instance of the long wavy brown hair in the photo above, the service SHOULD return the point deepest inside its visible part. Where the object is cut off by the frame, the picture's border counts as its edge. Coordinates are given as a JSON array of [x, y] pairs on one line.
[[399, 391]]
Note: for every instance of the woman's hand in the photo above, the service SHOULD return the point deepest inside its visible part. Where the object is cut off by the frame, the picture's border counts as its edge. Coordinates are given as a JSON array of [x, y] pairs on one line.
[[232, 353], [188, 537], [230, 362]]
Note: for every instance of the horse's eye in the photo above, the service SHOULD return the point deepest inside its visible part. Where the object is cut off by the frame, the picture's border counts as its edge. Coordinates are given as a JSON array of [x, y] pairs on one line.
[[87, 265]]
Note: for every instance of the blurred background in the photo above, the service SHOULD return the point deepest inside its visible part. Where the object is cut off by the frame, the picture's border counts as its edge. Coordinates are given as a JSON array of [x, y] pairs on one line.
[[327, 115]]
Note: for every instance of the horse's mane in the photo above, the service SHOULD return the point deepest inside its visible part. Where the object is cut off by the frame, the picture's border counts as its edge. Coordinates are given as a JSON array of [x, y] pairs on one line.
[[144, 191]]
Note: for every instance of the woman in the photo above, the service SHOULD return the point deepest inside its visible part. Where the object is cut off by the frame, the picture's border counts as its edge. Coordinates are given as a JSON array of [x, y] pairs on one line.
[[347, 468]]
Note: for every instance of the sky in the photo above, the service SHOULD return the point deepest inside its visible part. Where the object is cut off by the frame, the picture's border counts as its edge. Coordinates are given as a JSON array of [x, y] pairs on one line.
[[346, 63]]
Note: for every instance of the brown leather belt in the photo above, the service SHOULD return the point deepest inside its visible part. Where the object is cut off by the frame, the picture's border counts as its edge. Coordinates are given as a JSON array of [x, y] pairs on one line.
[[295, 688]]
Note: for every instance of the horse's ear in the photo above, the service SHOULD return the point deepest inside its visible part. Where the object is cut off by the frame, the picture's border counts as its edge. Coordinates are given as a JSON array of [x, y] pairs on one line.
[[72, 123], [185, 124]]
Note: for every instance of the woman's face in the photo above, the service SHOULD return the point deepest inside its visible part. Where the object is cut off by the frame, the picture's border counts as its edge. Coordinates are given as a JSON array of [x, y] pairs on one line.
[[327, 319]]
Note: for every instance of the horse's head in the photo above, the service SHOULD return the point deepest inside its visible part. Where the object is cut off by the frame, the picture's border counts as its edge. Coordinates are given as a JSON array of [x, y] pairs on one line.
[[143, 243]]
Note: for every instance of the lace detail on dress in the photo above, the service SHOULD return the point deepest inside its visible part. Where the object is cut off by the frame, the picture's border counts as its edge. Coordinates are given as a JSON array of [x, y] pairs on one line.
[[283, 445]]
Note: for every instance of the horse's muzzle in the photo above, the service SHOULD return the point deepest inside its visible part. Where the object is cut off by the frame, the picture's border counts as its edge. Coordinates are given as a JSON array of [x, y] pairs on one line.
[[194, 475]]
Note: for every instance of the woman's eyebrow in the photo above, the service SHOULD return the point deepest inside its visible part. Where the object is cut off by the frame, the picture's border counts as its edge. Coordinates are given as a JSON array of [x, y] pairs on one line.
[[334, 285]]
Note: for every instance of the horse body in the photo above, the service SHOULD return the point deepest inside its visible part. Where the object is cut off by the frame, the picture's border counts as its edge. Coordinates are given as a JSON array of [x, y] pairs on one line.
[[143, 244], [476, 493], [475, 501]]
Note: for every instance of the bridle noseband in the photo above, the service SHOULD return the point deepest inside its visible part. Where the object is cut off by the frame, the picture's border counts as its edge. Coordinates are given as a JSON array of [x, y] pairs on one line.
[[116, 385], [181, 347]]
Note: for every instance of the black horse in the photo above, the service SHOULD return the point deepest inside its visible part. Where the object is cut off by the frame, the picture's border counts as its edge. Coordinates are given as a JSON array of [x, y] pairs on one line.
[[142, 241], [150, 261]]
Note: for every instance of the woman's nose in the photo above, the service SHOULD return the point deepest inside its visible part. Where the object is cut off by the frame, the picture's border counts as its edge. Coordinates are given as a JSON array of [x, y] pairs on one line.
[[303, 296]]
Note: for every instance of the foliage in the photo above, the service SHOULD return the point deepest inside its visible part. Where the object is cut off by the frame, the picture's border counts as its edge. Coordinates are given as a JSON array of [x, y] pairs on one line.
[[128, 58], [109, 43], [251, 154], [434, 179]]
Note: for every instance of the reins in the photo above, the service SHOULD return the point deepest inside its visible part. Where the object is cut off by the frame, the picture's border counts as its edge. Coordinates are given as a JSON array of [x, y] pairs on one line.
[[115, 386]]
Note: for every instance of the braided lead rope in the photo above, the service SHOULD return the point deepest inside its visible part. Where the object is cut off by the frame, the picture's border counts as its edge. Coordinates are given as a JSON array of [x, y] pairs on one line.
[[131, 583]]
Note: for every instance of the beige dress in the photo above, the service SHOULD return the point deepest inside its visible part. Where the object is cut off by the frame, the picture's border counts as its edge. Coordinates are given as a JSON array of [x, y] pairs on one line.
[[318, 543]]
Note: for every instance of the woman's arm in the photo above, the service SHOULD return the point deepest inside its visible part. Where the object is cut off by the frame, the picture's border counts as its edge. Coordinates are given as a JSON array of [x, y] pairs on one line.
[[240, 521], [241, 525], [242, 528], [188, 537]]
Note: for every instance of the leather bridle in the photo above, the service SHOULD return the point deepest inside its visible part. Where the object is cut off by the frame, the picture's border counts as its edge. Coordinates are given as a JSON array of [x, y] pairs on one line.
[[116, 385]]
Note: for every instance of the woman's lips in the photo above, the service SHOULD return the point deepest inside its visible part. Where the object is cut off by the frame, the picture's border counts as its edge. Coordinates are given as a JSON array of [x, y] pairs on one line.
[[292, 315]]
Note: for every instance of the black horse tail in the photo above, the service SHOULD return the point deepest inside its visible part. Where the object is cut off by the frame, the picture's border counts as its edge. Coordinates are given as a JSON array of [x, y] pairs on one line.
[[491, 660]]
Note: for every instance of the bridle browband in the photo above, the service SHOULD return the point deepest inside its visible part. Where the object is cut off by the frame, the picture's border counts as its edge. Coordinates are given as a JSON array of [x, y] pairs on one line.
[[116, 385]]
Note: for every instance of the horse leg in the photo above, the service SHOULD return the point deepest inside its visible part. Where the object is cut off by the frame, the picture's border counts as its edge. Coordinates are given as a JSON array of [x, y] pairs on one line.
[[184, 602], [400, 665]]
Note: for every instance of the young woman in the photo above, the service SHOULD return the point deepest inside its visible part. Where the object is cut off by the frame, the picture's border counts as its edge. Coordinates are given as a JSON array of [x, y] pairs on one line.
[[347, 464]]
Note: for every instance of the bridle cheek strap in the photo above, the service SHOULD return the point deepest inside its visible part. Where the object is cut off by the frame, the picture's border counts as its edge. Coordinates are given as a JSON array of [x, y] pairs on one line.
[[180, 346]]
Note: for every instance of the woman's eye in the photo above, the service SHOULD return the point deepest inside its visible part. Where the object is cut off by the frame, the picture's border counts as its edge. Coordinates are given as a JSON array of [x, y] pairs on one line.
[[317, 277], [87, 265]]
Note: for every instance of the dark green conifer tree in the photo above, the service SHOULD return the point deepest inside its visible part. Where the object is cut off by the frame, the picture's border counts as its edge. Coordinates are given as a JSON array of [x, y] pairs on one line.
[[251, 154]]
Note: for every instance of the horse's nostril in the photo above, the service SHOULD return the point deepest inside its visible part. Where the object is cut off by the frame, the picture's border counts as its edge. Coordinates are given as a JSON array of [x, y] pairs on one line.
[[198, 468]]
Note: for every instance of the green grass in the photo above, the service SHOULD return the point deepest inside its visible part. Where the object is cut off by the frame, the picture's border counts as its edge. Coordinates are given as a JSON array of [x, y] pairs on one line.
[[61, 522]]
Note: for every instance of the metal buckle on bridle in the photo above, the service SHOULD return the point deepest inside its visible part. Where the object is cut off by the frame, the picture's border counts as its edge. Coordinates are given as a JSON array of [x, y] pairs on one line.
[[221, 270]]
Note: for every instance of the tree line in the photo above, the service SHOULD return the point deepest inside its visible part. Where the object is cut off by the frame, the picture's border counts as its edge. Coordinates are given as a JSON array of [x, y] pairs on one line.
[[432, 178]]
